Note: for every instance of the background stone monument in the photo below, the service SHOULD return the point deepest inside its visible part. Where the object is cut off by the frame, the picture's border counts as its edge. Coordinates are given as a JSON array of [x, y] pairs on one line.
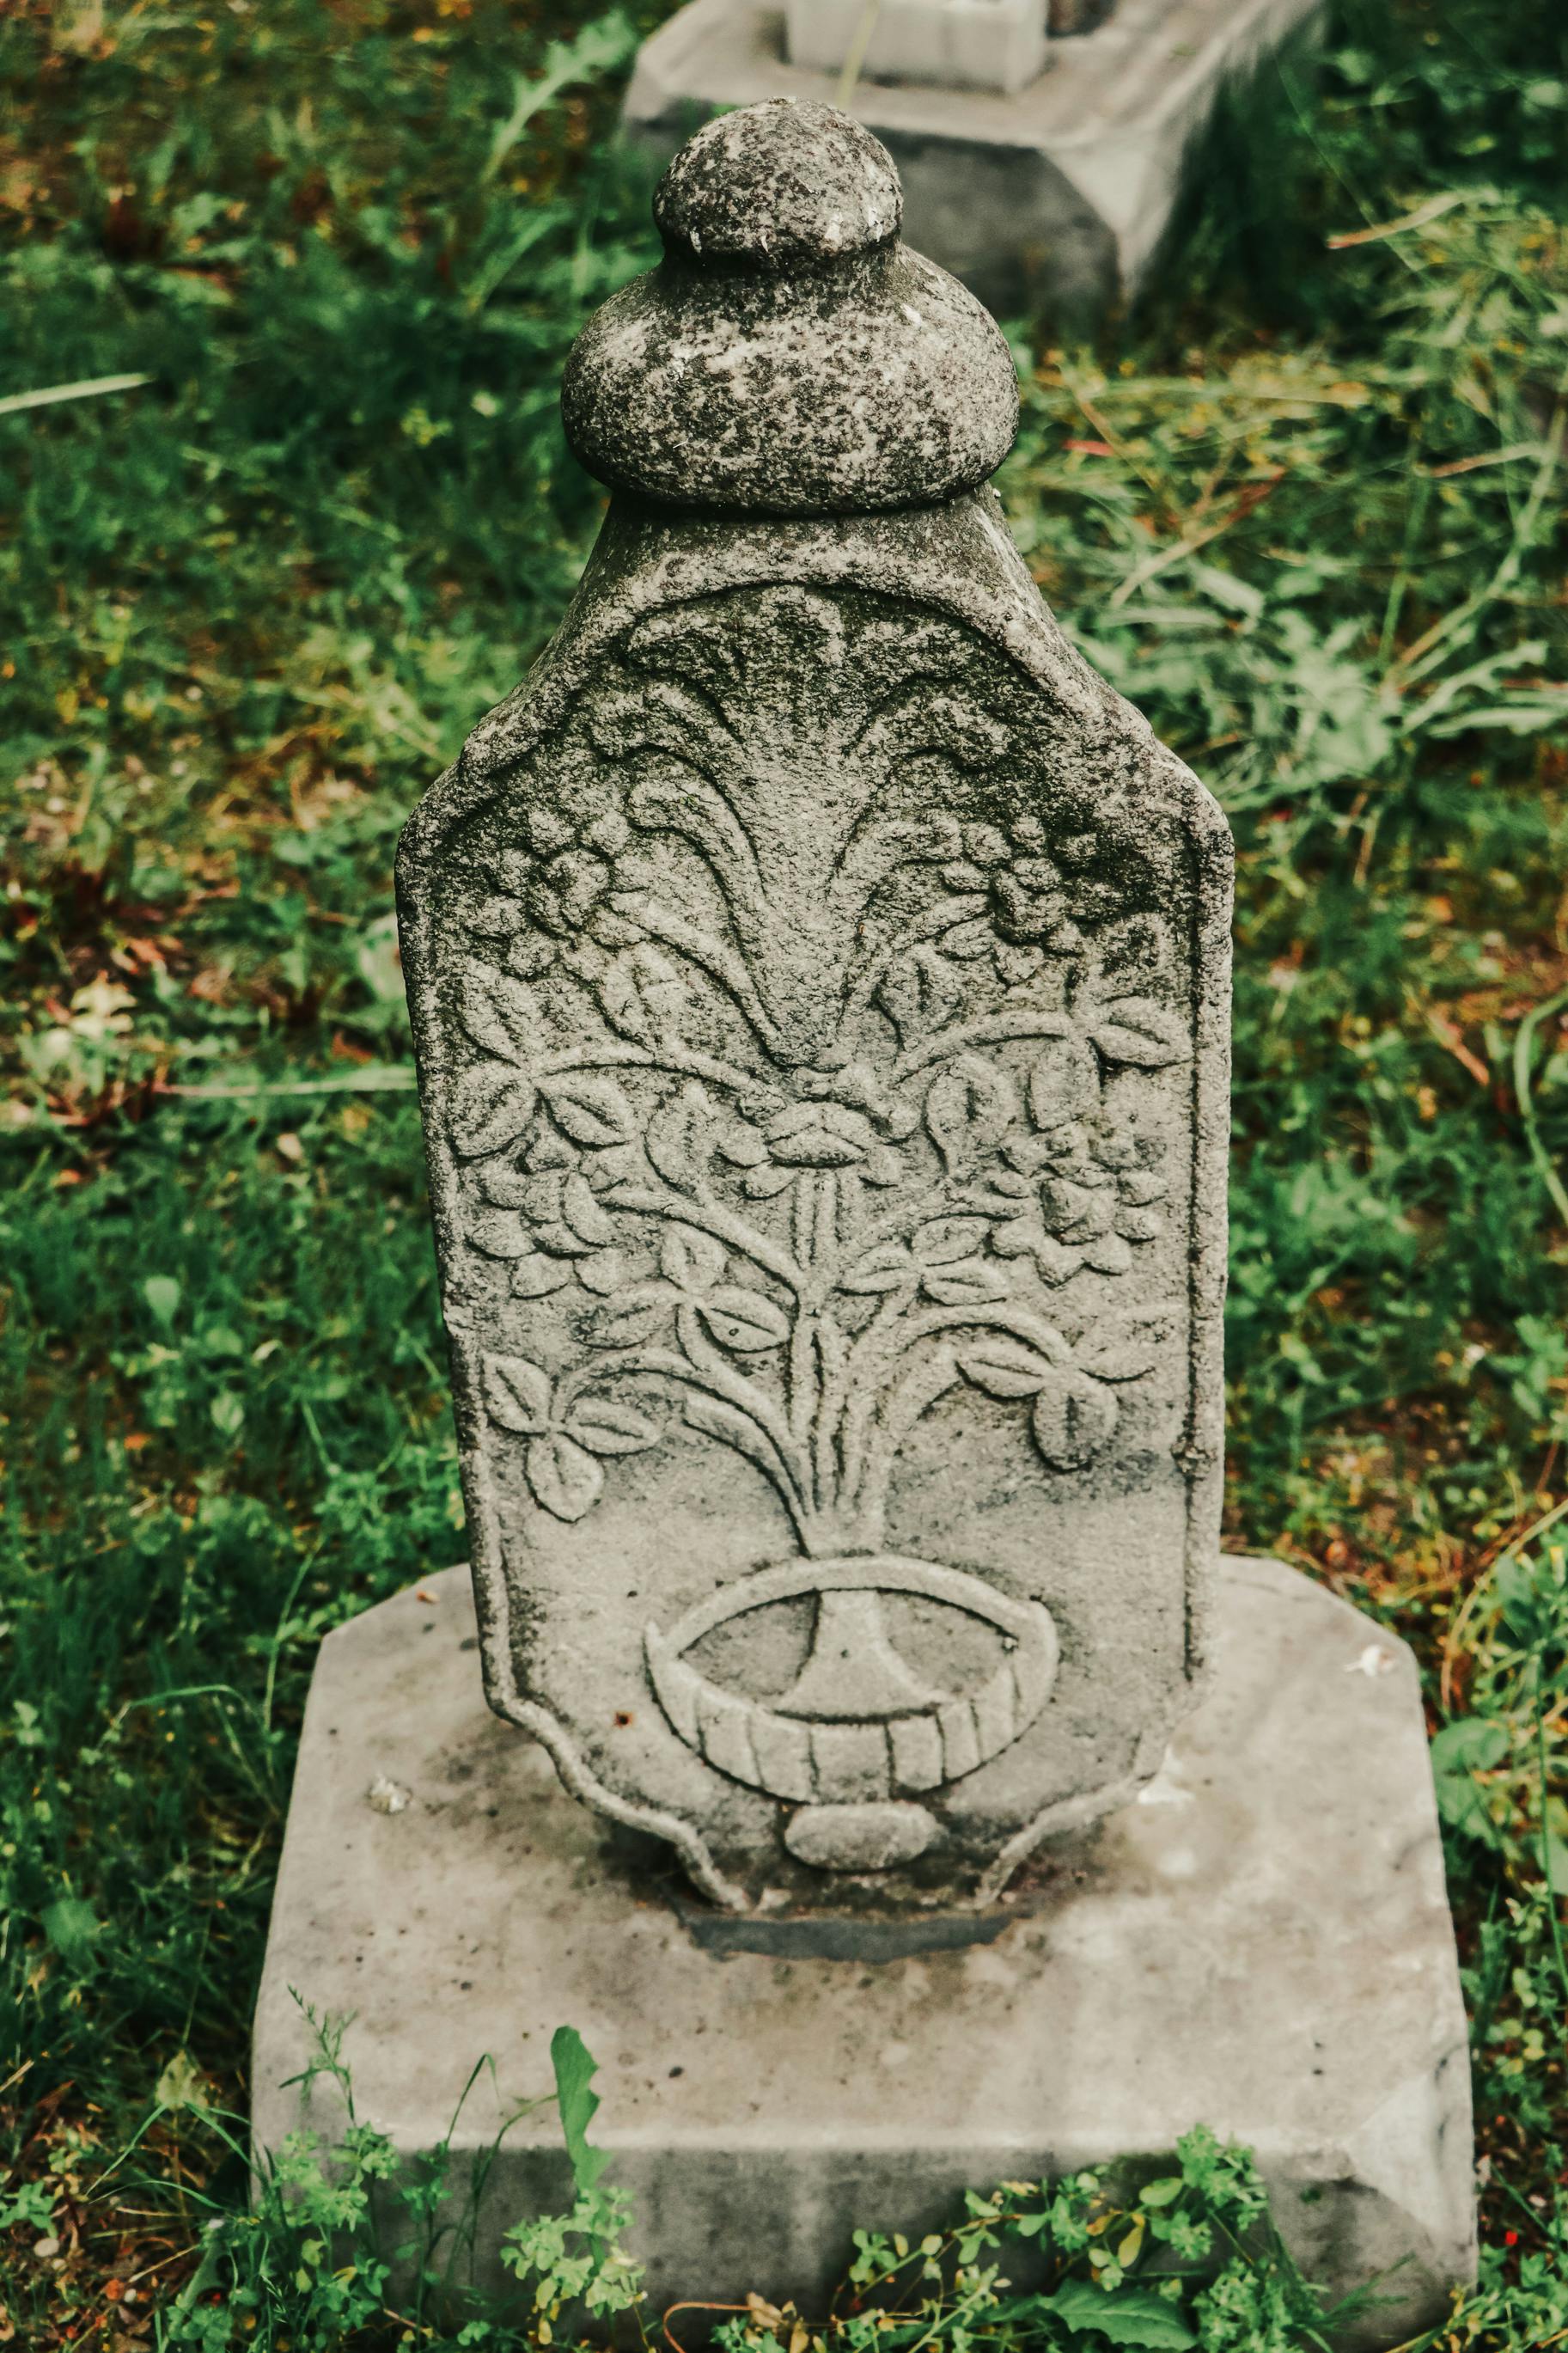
[[820, 991], [1039, 186]]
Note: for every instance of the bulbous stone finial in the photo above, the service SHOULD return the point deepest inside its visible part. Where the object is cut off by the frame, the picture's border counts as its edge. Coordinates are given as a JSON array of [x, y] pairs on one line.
[[789, 356], [779, 186]]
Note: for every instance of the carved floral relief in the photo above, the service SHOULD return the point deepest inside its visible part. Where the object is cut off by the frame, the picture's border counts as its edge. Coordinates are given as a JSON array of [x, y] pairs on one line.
[[817, 1055]]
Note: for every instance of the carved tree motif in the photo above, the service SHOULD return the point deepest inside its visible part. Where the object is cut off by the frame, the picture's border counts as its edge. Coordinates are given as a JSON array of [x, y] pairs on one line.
[[802, 1106]]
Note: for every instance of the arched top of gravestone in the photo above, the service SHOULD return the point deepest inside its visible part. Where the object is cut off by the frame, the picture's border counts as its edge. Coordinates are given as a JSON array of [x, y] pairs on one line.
[[789, 356]]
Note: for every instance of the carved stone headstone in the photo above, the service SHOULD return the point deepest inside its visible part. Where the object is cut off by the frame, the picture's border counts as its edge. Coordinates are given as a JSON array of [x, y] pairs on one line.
[[820, 990], [819, 981]]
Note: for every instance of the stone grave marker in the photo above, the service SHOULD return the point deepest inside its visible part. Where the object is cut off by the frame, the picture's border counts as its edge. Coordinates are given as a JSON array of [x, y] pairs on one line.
[[820, 985], [820, 989]]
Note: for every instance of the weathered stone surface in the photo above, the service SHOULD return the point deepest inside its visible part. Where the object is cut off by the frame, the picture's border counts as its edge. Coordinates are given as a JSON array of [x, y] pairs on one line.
[[789, 356], [1055, 194], [820, 990], [1261, 1942]]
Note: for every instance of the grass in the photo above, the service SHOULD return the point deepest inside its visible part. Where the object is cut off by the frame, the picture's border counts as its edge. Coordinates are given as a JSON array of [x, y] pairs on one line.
[[1305, 506]]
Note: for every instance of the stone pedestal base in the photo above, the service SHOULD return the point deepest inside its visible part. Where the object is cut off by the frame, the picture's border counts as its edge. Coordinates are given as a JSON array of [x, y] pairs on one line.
[[1056, 193], [1261, 1943]]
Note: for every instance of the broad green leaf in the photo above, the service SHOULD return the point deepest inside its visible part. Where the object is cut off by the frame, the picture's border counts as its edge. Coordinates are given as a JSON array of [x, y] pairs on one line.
[[181, 2084], [1132, 2316], [575, 2069], [161, 1294], [71, 1926], [1164, 2192]]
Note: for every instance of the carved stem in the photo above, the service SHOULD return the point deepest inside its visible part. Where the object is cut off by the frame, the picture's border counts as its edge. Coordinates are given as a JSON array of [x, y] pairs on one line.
[[765, 1442], [936, 920], [993, 1031], [883, 1420], [726, 967], [852, 1398], [715, 1220], [716, 1374], [680, 1060]]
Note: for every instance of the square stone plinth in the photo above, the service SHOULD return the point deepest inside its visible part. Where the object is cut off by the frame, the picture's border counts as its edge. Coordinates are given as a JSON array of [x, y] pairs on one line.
[[1261, 1942], [1055, 193]]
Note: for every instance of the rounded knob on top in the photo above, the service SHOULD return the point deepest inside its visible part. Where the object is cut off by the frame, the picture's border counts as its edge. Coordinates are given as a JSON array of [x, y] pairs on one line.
[[789, 356]]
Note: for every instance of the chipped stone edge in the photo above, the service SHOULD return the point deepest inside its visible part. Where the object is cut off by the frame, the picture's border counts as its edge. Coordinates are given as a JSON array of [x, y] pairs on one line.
[[937, 558]]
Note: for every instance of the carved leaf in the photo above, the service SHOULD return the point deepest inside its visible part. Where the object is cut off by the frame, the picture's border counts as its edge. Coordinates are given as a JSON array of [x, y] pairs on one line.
[[715, 1418], [492, 1103], [1140, 1225], [603, 1272], [536, 1276], [583, 1212], [564, 1477], [499, 1234], [969, 1108], [882, 1268], [1005, 1368], [744, 1320], [969, 1284], [505, 1184], [642, 994], [692, 1260], [1064, 1082], [1125, 1348], [517, 1394], [970, 940], [945, 1240], [500, 1013], [1072, 1419], [592, 1110], [606, 1425], [1136, 1029], [678, 1137], [762, 1184], [921, 992], [632, 1317]]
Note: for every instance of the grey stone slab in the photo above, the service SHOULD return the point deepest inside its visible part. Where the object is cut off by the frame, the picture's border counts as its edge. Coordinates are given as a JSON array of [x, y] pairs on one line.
[[1057, 193], [1260, 1940], [820, 985]]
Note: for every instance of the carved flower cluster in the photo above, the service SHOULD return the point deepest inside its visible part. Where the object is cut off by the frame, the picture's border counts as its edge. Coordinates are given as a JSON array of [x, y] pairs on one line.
[[1081, 1195], [548, 895]]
